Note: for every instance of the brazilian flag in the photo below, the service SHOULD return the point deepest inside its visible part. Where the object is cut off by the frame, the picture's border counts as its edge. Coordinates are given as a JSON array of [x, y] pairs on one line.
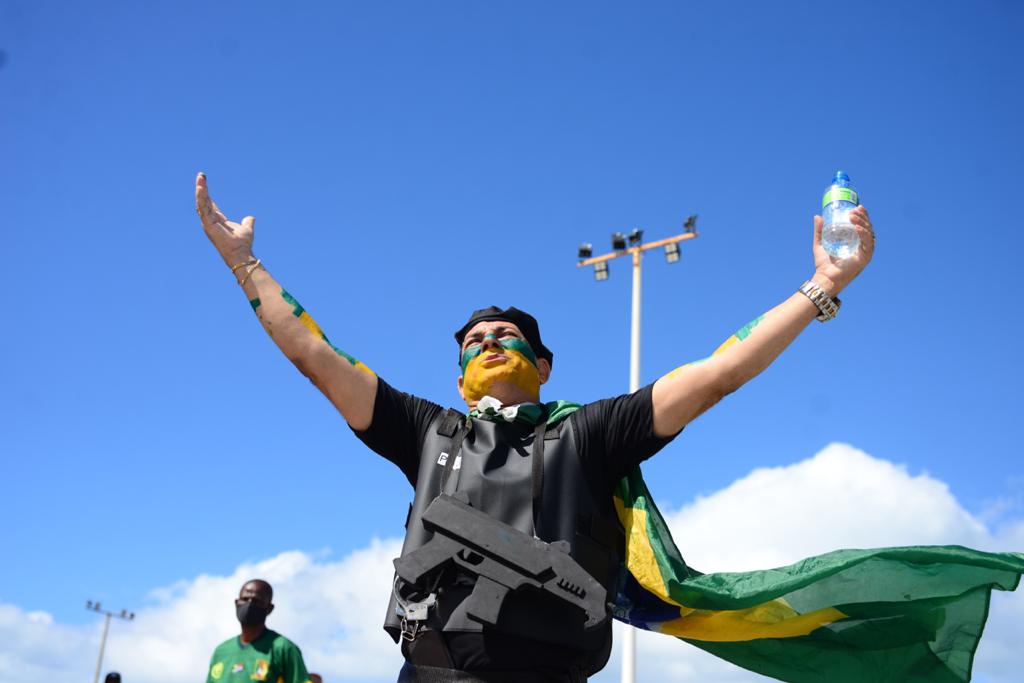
[[891, 614]]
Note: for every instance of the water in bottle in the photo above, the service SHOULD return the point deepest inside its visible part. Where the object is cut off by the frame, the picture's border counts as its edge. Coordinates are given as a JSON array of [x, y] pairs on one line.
[[839, 236]]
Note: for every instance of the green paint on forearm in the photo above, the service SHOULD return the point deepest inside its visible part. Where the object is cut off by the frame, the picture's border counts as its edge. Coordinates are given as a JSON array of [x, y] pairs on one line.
[[740, 335], [745, 331], [297, 309], [307, 321], [350, 359], [255, 303]]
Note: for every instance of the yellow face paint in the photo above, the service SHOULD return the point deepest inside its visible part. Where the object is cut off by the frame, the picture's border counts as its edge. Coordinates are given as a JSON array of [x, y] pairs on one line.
[[482, 372]]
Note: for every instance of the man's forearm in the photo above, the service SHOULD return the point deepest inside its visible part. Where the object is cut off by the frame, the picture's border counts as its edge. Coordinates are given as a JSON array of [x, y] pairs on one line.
[[346, 381], [765, 338], [686, 392]]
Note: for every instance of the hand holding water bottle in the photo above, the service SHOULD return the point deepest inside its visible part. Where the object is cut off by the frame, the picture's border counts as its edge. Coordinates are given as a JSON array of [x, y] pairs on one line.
[[833, 274]]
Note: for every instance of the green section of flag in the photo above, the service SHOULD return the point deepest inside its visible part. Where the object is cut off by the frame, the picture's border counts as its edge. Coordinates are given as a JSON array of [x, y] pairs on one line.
[[890, 614]]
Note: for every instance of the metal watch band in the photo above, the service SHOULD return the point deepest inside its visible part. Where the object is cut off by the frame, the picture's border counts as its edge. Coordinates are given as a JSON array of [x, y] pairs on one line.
[[828, 306]]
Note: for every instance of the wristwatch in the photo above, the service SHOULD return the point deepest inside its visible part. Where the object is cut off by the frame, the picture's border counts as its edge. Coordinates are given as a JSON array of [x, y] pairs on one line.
[[828, 306]]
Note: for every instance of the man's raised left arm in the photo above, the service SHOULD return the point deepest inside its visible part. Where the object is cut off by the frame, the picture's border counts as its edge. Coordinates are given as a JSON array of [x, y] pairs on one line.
[[686, 392]]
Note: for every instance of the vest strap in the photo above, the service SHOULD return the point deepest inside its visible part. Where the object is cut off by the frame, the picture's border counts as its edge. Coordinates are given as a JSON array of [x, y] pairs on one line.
[[450, 423], [453, 457], [537, 478]]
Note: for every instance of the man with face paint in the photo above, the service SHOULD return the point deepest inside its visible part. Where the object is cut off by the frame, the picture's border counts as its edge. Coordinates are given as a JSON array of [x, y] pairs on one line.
[[546, 469], [258, 654]]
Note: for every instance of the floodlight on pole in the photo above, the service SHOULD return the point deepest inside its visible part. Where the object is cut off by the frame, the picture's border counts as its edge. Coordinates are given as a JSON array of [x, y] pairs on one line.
[[600, 264], [672, 252], [123, 614], [586, 250]]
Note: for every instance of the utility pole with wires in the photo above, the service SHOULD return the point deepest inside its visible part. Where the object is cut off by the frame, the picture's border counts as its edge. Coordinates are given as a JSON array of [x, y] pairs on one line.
[[123, 614], [636, 249]]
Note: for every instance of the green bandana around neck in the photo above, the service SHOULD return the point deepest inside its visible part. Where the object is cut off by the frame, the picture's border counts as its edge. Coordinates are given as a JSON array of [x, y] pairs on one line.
[[531, 414]]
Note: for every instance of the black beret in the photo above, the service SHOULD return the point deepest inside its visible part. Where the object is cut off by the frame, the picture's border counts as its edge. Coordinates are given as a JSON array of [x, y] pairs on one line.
[[526, 323]]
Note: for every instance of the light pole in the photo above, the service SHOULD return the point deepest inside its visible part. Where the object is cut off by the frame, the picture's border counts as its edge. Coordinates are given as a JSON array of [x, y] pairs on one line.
[[123, 614], [635, 249]]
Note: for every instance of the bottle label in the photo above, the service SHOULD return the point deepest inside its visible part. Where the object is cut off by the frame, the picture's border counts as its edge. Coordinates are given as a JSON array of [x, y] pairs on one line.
[[839, 194]]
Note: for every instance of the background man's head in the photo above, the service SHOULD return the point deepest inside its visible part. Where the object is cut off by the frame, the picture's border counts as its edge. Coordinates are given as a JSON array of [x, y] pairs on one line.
[[254, 602], [501, 355]]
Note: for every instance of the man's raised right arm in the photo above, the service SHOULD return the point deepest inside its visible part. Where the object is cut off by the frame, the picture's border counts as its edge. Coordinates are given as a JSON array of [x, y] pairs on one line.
[[348, 383]]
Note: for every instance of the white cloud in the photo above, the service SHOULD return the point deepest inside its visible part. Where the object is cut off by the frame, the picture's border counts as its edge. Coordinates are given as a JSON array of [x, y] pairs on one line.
[[332, 610], [841, 497]]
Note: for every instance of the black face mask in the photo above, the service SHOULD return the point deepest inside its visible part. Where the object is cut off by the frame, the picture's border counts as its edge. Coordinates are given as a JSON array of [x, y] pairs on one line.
[[250, 613]]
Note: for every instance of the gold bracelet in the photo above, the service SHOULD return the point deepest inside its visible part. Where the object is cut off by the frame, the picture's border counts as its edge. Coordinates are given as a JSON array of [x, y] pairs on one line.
[[242, 265], [249, 272]]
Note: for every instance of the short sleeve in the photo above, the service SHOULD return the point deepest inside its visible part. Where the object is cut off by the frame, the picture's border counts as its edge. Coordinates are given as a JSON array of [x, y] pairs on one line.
[[290, 664], [398, 427], [615, 435]]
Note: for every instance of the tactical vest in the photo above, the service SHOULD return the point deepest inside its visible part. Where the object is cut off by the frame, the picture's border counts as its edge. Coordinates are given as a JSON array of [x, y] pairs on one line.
[[496, 468]]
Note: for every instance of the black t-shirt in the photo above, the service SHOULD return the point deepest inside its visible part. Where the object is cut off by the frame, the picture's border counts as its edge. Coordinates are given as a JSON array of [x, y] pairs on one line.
[[613, 436]]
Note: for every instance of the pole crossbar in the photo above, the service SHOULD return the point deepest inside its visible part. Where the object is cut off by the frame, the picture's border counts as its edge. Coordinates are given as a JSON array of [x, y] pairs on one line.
[[107, 614], [635, 250]]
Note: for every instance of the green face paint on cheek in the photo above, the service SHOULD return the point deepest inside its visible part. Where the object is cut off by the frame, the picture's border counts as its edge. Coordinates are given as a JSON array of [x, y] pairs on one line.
[[520, 346], [511, 344], [469, 354]]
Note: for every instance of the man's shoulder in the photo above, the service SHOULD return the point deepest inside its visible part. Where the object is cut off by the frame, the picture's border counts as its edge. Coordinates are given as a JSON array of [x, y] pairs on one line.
[[280, 642], [228, 646]]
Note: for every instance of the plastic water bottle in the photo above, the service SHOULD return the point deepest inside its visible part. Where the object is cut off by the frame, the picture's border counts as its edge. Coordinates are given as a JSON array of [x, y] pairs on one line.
[[839, 236]]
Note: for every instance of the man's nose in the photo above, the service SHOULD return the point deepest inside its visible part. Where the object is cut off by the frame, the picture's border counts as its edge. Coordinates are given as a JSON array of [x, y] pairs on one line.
[[490, 342]]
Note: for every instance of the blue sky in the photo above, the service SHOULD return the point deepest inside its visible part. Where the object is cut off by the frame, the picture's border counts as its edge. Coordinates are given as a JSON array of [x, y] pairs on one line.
[[410, 162]]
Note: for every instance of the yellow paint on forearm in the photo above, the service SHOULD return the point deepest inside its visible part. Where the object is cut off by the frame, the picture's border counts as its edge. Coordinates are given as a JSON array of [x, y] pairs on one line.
[[740, 335], [307, 321]]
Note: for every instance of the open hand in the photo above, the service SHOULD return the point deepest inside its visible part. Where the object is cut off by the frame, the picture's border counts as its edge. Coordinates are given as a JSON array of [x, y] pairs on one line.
[[232, 240], [834, 274]]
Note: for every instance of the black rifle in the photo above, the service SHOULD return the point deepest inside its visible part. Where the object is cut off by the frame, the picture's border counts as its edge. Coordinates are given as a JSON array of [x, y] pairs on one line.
[[504, 561]]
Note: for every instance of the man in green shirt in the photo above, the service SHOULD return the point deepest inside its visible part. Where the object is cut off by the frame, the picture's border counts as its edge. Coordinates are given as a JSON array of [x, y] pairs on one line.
[[258, 654]]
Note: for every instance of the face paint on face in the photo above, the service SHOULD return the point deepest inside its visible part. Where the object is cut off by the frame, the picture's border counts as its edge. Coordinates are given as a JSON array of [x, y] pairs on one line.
[[511, 344], [515, 363]]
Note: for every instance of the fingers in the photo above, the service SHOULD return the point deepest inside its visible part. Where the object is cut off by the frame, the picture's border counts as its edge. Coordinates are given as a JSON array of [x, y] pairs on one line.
[[862, 221], [202, 197], [249, 223], [818, 222], [859, 216], [205, 207], [200, 190]]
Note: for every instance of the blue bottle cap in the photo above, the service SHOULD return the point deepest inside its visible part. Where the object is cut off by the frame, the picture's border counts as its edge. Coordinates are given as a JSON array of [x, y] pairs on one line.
[[841, 179]]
